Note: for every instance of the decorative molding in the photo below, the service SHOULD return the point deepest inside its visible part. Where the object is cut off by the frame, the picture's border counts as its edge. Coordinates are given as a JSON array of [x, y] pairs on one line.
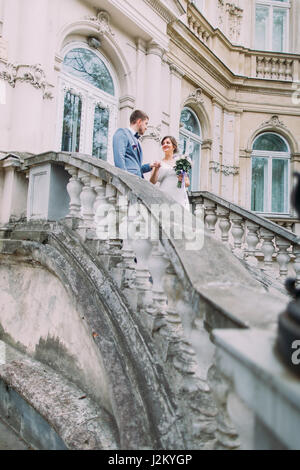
[[175, 70], [102, 22], [165, 13], [232, 14], [127, 102], [273, 122], [3, 49], [152, 133], [32, 74], [196, 97], [156, 49], [226, 170]]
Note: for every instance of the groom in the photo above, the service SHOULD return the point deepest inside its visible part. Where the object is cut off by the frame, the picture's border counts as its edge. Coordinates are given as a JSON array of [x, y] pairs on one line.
[[128, 154]]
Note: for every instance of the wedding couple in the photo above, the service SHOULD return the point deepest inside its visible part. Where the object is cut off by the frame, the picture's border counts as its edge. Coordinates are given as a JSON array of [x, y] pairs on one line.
[[128, 156]]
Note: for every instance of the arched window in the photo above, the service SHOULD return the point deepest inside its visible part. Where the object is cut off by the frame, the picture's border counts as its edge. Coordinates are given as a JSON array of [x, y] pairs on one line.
[[190, 143], [89, 104], [270, 174]]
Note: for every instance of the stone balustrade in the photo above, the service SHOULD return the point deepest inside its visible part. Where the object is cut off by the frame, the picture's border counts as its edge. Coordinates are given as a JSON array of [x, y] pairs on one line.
[[180, 280], [241, 61], [259, 242], [274, 67]]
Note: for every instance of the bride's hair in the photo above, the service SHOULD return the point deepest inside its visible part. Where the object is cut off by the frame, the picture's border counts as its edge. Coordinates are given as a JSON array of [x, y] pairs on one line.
[[173, 140]]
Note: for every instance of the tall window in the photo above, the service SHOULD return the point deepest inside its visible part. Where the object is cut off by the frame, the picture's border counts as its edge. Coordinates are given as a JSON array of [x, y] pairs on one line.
[[190, 143], [272, 25], [89, 103], [270, 174]]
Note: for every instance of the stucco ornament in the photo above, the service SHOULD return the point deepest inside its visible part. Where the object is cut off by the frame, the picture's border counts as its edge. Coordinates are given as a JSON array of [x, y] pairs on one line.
[[33, 74], [153, 133], [196, 96], [102, 22], [274, 121], [226, 170]]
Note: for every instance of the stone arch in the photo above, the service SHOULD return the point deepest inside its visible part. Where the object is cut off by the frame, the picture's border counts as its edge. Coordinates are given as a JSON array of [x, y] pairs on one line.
[[196, 103], [98, 27], [278, 127]]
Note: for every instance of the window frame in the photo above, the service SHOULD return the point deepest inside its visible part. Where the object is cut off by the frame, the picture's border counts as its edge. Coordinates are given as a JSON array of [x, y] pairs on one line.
[[196, 180], [271, 4], [270, 156], [91, 96]]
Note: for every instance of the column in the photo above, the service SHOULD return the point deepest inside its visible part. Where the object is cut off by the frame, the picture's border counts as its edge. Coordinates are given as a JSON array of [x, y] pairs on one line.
[[153, 102], [140, 73], [175, 99], [30, 112], [215, 164]]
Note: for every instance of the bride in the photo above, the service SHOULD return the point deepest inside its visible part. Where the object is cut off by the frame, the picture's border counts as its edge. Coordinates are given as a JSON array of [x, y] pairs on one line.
[[166, 175]]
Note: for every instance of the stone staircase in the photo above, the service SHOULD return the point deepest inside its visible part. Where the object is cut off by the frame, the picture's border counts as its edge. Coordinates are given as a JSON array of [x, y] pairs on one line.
[[144, 300]]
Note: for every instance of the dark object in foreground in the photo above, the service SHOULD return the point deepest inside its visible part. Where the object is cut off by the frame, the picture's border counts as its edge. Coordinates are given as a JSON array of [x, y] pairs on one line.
[[288, 340]]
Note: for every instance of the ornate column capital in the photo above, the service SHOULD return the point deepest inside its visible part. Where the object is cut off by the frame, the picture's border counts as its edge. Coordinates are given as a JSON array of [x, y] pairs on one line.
[[175, 70], [155, 49]]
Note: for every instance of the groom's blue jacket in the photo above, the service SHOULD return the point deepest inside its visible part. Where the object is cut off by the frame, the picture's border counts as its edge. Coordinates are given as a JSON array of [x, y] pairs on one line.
[[128, 154]]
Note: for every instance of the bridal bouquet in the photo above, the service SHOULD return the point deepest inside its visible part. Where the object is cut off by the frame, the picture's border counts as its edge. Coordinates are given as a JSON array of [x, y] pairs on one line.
[[182, 166]]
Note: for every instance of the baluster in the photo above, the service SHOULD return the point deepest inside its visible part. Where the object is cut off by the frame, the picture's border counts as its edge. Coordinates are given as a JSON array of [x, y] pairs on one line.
[[281, 70], [297, 264], [142, 248], [259, 67], [288, 70], [267, 249], [267, 67], [74, 188], [87, 199], [227, 436], [210, 215], [224, 223], [274, 72], [237, 231], [283, 258], [252, 241]]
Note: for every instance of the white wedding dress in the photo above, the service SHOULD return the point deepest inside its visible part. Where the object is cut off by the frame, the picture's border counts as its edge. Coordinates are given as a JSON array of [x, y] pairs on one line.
[[168, 183]]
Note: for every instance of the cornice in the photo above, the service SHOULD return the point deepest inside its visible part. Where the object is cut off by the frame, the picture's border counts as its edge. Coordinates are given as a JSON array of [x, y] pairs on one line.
[[165, 11]]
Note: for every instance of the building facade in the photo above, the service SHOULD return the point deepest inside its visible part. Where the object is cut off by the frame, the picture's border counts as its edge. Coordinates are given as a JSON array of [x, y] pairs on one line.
[[222, 77]]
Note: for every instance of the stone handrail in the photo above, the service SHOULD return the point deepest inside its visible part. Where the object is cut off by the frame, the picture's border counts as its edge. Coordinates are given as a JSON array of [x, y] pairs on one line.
[[193, 289], [260, 242]]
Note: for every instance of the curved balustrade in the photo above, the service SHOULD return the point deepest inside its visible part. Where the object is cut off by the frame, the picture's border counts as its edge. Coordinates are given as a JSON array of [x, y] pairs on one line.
[[173, 272], [258, 241]]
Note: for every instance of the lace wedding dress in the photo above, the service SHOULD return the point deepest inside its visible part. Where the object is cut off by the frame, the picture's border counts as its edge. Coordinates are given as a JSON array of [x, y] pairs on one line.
[[168, 183]]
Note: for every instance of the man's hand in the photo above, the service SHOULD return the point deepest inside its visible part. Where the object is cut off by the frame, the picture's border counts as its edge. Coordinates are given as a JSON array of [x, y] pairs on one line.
[[155, 165]]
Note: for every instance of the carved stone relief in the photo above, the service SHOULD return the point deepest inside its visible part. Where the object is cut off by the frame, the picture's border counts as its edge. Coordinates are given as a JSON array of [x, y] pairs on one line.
[[33, 74], [102, 22]]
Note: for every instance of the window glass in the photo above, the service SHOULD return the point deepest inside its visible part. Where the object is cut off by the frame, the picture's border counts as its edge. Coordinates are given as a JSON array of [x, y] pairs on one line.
[[279, 185], [86, 65], [279, 27], [71, 123], [189, 121], [190, 144], [261, 30], [270, 142], [259, 183], [100, 135]]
